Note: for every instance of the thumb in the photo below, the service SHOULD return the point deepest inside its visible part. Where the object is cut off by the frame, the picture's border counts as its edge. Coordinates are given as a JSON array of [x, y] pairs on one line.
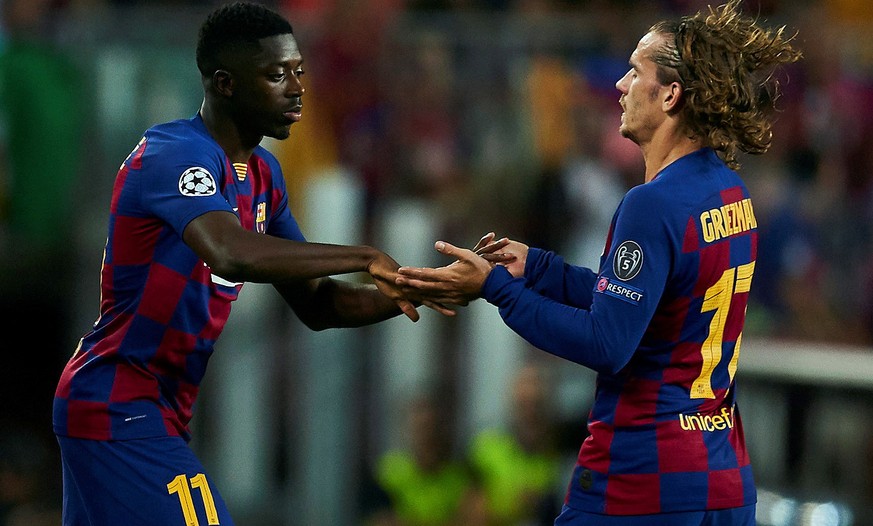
[[445, 248]]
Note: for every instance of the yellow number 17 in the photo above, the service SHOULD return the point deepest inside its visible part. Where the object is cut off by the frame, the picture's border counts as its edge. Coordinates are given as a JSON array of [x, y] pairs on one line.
[[718, 298]]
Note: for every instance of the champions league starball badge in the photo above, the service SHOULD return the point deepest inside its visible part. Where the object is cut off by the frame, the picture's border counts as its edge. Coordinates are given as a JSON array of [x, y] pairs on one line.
[[196, 182]]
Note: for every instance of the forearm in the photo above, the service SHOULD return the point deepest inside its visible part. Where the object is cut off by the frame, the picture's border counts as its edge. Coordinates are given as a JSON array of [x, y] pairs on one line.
[[548, 274], [239, 255], [276, 260], [337, 303], [563, 330]]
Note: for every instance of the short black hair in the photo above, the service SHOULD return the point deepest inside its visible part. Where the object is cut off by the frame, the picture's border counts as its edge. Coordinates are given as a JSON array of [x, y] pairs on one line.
[[235, 26]]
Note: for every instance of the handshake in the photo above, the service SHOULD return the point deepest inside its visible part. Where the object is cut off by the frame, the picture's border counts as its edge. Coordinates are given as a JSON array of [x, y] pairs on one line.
[[456, 284]]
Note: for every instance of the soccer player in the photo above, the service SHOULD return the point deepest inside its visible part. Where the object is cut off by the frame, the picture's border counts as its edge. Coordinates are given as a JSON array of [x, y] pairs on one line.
[[198, 207], [661, 320]]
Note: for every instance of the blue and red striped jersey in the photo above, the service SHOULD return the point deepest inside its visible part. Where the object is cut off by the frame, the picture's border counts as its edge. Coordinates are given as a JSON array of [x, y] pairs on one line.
[[137, 372], [661, 323]]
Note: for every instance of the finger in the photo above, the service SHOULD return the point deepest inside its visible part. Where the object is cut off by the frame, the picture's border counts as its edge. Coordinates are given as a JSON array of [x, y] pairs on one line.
[[445, 298], [419, 273], [437, 290], [449, 249], [499, 258], [420, 285], [409, 309], [493, 247], [442, 309], [484, 240]]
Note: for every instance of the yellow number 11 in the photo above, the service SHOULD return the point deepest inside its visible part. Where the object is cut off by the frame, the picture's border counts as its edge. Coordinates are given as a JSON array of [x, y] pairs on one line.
[[718, 298], [180, 485]]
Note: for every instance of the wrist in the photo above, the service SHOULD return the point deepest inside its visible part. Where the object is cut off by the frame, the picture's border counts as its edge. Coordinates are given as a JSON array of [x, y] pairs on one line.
[[370, 256]]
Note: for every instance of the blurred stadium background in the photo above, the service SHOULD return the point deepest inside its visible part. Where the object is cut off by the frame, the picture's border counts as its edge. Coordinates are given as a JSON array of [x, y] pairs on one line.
[[428, 120]]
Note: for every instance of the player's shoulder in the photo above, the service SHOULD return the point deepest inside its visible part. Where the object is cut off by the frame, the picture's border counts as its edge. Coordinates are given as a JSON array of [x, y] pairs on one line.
[[180, 134], [686, 182], [180, 143], [653, 195]]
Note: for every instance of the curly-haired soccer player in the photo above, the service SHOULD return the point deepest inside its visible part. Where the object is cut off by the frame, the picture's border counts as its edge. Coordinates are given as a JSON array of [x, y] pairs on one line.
[[661, 321]]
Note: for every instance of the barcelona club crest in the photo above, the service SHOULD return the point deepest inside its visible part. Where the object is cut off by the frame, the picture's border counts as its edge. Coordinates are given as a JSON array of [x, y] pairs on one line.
[[261, 219]]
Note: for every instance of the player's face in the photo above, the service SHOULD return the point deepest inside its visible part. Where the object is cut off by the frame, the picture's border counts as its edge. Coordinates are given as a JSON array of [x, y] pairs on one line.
[[268, 90], [640, 93]]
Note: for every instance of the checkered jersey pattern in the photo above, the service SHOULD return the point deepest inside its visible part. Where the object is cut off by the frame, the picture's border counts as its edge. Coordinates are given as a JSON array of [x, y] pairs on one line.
[[137, 372], [661, 322]]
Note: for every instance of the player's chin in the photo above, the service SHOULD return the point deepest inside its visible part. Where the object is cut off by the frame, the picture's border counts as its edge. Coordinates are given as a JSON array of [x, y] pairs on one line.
[[627, 134], [280, 132]]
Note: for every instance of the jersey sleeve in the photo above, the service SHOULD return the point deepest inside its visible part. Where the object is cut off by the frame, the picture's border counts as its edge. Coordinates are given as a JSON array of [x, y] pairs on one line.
[[180, 180], [624, 297], [548, 274]]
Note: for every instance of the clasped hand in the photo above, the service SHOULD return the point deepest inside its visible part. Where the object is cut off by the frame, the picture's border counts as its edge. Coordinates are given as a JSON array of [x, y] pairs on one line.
[[461, 281], [456, 284]]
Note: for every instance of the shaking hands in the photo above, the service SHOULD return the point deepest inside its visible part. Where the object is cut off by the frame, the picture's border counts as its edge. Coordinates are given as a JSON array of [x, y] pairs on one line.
[[461, 281]]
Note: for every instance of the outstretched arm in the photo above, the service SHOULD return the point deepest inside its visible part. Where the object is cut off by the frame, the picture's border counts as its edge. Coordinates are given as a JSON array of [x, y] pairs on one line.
[[544, 271], [560, 329], [237, 254]]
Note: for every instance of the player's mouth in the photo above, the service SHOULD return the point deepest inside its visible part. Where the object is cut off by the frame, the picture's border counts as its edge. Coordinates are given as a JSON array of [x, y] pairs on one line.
[[294, 113]]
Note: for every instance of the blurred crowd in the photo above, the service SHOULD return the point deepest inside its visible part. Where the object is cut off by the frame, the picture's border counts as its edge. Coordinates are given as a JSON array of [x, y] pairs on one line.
[[501, 113], [508, 475]]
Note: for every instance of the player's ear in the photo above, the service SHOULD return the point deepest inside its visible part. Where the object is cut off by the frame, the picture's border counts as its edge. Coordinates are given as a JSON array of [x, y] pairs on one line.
[[673, 97], [223, 83]]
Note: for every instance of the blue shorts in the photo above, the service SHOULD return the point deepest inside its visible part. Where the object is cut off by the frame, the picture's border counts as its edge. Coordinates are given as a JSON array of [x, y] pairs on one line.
[[744, 516], [144, 482]]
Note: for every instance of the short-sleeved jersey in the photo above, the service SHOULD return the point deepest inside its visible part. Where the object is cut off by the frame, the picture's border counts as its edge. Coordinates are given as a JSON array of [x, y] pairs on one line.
[[136, 374], [661, 323]]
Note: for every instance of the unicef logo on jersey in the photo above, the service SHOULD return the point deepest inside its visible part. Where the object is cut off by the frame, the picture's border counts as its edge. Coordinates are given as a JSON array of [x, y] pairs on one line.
[[196, 182], [628, 260]]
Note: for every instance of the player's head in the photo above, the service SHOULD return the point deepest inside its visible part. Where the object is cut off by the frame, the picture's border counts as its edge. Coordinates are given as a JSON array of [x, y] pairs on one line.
[[723, 62], [251, 67], [235, 29]]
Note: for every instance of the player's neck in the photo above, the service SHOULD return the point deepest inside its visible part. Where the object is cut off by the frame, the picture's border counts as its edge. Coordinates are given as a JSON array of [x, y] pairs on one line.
[[227, 134], [662, 151]]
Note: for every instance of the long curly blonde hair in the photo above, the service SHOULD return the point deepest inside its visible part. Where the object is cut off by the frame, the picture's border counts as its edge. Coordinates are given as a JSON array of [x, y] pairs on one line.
[[725, 62]]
